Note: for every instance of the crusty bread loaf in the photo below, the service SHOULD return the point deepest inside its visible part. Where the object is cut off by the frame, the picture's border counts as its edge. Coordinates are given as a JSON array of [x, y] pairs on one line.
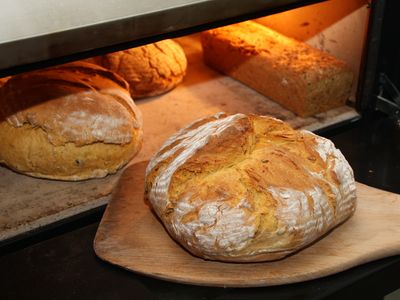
[[302, 79], [70, 122], [248, 188], [150, 70]]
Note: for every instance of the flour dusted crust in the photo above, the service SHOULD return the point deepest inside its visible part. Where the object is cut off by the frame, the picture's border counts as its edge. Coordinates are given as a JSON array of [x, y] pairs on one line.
[[248, 188], [70, 122], [300, 78], [151, 69]]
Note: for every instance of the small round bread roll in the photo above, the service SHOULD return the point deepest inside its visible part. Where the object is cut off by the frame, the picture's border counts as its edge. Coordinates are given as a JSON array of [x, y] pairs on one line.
[[70, 122], [247, 188], [150, 70]]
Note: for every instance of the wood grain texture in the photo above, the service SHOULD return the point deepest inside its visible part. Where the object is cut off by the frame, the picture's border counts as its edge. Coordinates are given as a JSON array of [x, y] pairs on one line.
[[131, 237]]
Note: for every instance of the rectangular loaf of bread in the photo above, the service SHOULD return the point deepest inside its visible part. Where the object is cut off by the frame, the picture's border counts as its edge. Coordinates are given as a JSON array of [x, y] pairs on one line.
[[302, 79]]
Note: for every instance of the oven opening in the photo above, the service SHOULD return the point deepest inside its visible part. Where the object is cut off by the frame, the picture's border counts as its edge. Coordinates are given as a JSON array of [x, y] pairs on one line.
[[336, 28]]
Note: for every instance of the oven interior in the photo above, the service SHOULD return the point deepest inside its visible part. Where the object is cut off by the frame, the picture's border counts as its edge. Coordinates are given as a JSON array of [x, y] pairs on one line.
[[339, 27]]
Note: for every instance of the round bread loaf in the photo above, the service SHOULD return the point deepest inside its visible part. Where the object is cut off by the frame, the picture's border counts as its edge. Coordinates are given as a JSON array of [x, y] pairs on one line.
[[246, 188], [150, 70], [70, 122]]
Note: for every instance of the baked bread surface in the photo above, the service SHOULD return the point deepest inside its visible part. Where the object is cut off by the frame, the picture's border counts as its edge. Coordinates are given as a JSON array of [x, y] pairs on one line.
[[247, 188], [150, 70], [70, 122], [302, 79]]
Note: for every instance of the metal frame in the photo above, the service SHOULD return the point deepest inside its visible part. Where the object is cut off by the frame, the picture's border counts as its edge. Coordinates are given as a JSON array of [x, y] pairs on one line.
[[136, 28]]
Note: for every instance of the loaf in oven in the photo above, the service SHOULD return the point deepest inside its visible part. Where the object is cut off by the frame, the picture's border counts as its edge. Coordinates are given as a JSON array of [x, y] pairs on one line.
[[70, 122], [246, 188], [300, 78], [150, 70]]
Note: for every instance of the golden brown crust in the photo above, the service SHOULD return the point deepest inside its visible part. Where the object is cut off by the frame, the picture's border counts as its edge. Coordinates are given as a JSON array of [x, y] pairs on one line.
[[253, 189], [70, 122], [303, 79], [151, 69]]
